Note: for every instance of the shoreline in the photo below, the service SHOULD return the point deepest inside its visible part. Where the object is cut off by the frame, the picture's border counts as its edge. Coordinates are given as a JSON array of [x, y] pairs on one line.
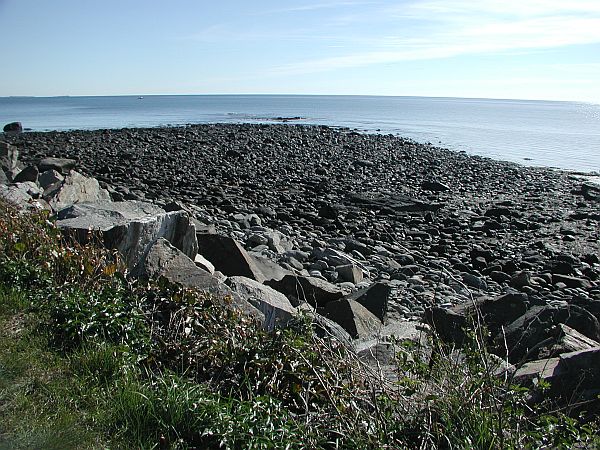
[[592, 176], [428, 220]]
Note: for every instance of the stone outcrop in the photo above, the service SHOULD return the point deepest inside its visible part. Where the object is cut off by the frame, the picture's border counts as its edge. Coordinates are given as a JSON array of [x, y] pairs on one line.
[[164, 260], [129, 227]]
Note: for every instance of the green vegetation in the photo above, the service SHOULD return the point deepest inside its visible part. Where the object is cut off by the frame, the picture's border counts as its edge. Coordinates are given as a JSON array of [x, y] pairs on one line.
[[91, 359]]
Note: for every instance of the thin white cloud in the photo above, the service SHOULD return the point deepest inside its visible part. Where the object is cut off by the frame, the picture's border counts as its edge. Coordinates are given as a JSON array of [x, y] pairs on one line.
[[436, 29], [317, 6]]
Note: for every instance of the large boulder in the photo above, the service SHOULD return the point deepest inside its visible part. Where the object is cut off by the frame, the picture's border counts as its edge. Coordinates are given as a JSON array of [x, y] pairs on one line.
[[274, 305], [29, 173], [566, 340], [353, 317], [528, 336], [13, 127], [574, 378], [164, 260], [9, 157], [18, 196], [130, 227], [77, 188], [374, 298], [62, 165], [312, 290], [49, 178], [494, 312], [228, 256]]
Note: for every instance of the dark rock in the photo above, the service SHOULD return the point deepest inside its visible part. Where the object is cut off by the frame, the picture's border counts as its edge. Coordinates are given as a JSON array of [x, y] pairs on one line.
[[375, 298], [49, 178], [572, 282], [350, 273], [521, 279], [527, 335], [435, 186], [313, 290], [329, 211], [164, 260], [228, 256], [13, 127], [494, 312], [30, 173], [500, 277], [574, 378], [567, 340], [62, 165]]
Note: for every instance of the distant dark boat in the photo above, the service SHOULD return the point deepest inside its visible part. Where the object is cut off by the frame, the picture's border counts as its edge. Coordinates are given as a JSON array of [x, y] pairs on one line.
[[140, 97]]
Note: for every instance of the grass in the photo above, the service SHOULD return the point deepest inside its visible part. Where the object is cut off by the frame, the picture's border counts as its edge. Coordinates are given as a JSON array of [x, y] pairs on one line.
[[91, 359]]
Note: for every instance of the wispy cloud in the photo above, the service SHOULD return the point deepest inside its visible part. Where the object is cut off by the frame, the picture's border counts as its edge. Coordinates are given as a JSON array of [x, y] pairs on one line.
[[434, 29], [322, 5]]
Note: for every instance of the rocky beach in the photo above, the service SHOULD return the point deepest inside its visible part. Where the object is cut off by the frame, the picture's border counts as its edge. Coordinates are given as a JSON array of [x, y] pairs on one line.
[[381, 233]]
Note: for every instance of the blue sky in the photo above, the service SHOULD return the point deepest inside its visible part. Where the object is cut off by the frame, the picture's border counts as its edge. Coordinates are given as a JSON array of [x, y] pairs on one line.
[[530, 49]]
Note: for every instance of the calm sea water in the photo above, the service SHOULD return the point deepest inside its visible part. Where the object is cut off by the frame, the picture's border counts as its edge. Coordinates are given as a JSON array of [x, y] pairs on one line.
[[556, 134]]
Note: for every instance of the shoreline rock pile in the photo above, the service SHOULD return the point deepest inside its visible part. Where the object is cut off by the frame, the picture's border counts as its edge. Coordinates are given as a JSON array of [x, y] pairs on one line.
[[374, 235]]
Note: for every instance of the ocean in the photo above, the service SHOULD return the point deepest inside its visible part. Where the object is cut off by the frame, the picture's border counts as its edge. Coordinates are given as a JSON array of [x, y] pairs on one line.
[[563, 135]]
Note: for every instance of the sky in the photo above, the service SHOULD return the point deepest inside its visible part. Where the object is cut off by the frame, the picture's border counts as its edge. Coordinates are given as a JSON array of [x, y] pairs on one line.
[[519, 49]]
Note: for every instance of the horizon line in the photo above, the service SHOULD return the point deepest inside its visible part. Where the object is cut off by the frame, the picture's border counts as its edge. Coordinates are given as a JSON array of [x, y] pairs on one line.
[[301, 95]]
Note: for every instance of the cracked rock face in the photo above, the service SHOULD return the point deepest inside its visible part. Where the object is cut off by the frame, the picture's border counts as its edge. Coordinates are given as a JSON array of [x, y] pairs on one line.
[[130, 227]]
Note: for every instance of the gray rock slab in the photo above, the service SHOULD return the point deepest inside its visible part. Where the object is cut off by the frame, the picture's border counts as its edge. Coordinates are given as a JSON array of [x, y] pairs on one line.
[[164, 260], [312, 290], [77, 188], [50, 177], [228, 256], [275, 306], [21, 199], [9, 157], [357, 320], [375, 298], [62, 165], [350, 273], [129, 227]]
